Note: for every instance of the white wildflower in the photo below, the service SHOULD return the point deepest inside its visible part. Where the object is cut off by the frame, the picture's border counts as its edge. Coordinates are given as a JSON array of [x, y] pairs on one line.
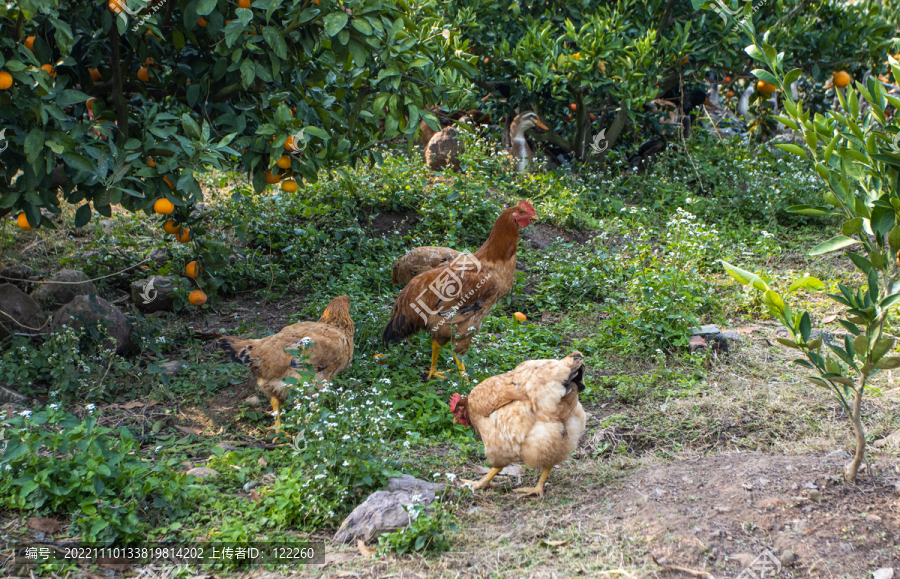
[[25, 413], [450, 476]]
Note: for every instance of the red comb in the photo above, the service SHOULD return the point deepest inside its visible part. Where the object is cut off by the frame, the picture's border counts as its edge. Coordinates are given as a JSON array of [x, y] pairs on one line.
[[454, 400], [526, 206]]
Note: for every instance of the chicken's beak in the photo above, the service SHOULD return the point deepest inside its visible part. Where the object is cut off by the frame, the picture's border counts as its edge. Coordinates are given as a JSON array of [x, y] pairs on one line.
[[455, 419]]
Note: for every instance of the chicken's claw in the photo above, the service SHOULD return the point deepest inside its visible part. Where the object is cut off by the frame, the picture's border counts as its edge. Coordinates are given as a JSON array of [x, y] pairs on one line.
[[530, 491], [476, 485], [436, 374]]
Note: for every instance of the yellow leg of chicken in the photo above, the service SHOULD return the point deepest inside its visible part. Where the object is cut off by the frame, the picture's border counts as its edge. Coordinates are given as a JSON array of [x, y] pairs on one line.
[[537, 490], [462, 368], [485, 480], [276, 406], [435, 354]]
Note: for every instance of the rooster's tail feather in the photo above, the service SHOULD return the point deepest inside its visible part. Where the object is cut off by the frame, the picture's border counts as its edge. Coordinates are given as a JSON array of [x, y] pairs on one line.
[[237, 348], [399, 327]]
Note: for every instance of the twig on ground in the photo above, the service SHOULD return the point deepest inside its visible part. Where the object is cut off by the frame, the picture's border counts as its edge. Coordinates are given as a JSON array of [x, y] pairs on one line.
[[681, 569]]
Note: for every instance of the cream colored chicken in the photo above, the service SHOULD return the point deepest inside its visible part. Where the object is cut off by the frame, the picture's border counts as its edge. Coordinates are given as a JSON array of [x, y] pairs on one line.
[[530, 415]]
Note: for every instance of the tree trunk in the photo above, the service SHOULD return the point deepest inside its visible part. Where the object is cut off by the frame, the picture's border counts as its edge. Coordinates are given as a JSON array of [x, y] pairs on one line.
[[851, 469], [118, 98], [618, 125]]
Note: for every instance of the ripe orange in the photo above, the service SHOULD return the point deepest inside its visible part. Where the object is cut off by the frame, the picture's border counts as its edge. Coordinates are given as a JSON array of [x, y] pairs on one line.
[[163, 206], [29, 43], [197, 298], [727, 79], [731, 94], [765, 88], [5, 80], [90, 103], [520, 316], [486, 60], [23, 222], [170, 227], [143, 74], [284, 162], [841, 79], [573, 106], [289, 186], [192, 270], [151, 162], [49, 70], [183, 235], [149, 61], [95, 74], [169, 182], [243, 3], [593, 117], [378, 358], [270, 178], [289, 144], [202, 22]]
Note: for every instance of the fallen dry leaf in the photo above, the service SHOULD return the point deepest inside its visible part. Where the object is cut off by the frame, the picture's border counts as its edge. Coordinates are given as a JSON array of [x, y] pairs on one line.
[[545, 543], [44, 525], [187, 430], [133, 404], [828, 319], [363, 550], [747, 330], [545, 315], [262, 462], [255, 496]]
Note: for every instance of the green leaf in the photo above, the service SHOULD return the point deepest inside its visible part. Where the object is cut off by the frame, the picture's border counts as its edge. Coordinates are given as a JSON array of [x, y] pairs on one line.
[[807, 282], [881, 348], [888, 363], [248, 72], [766, 76], [883, 220], [773, 300], [795, 149], [362, 26], [852, 227], [788, 343], [815, 210], [836, 243], [744, 277], [894, 238], [335, 22], [205, 7], [34, 142], [70, 97], [83, 215], [79, 162], [805, 326], [861, 346]]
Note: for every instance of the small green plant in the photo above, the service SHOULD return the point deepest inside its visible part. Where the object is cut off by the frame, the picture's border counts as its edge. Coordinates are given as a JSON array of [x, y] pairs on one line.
[[860, 165], [427, 530], [55, 463]]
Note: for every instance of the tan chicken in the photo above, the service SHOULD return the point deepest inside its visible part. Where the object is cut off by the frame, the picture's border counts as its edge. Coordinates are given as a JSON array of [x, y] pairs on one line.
[[451, 301], [328, 343], [420, 260], [529, 415]]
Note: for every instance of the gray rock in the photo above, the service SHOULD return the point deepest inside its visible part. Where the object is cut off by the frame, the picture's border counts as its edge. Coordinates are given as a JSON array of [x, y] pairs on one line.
[[172, 368], [19, 313], [382, 512], [823, 335], [707, 330], [443, 150], [14, 273], [837, 454], [410, 484], [202, 472], [8, 395], [159, 255], [883, 573], [87, 309], [156, 293], [732, 336], [787, 558], [54, 295]]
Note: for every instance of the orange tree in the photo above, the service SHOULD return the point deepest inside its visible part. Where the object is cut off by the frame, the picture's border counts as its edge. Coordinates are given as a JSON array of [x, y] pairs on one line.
[[591, 66], [176, 87]]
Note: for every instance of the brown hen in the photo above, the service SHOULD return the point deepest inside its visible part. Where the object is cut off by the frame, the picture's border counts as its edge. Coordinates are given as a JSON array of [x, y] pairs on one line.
[[328, 343]]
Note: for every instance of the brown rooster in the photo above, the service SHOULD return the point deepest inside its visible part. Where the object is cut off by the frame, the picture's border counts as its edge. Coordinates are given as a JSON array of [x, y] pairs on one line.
[[529, 415], [420, 260], [328, 343], [453, 299]]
